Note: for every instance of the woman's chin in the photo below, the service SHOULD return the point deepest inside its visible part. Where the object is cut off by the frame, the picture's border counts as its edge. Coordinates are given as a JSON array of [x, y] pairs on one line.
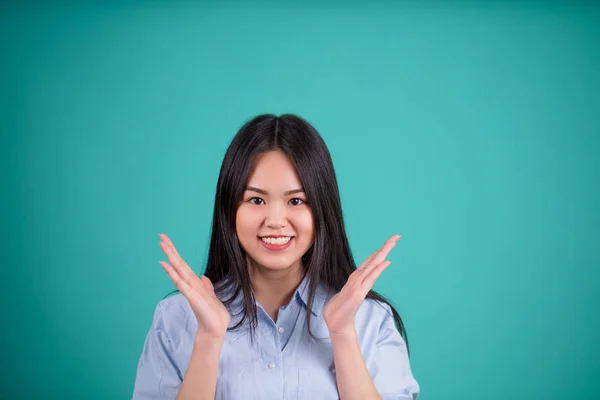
[[275, 263], [276, 266]]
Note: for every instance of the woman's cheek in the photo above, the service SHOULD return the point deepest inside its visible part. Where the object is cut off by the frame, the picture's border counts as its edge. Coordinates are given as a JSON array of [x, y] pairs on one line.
[[305, 223]]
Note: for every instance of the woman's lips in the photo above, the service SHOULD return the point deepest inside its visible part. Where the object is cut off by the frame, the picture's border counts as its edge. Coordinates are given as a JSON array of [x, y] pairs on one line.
[[276, 247]]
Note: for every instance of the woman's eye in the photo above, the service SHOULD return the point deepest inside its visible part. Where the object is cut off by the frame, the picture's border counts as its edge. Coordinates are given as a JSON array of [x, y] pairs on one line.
[[296, 201], [256, 201]]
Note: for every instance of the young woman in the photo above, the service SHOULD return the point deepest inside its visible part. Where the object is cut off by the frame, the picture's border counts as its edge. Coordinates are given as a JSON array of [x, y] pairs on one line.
[[281, 311]]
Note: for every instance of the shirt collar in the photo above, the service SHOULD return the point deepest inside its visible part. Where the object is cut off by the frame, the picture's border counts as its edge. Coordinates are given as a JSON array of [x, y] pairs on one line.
[[301, 294]]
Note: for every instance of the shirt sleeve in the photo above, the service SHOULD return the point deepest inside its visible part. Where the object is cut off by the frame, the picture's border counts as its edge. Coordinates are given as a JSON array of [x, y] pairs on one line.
[[390, 368], [157, 376]]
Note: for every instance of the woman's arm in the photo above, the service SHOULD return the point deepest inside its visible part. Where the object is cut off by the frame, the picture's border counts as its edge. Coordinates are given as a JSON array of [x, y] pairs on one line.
[[353, 379], [200, 380]]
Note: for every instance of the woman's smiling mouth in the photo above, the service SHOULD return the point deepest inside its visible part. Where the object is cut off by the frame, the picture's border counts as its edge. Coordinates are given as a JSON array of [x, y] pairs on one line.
[[276, 243]]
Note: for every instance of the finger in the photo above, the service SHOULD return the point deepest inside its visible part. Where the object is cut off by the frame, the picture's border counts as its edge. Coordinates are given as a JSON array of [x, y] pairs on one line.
[[366, 263], [371, 277], [170, 245], [208, 285], [385, 250], [379, 256], [179, 282], [182, 268], [193, 296], [371, 258], [166, 238], [382, 254], [393, 238], [176, 261]]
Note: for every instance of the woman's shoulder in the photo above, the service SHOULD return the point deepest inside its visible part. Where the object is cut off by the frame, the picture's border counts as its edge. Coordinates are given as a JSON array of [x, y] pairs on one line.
[[374, 313], [172, 313], [376, 306]]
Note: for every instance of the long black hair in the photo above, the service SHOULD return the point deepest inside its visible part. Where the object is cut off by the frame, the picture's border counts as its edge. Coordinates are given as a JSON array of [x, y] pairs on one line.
[[329, 260]]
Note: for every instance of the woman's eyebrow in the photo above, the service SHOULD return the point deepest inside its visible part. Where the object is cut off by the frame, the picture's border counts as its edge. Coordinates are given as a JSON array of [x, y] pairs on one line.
[[264, 192]]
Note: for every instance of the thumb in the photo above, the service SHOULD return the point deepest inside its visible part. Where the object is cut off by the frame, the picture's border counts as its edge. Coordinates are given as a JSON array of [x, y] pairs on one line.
[[208, 285]]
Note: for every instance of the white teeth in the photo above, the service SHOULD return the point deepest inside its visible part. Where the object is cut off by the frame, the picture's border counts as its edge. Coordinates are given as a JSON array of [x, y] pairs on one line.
[[277, 241]]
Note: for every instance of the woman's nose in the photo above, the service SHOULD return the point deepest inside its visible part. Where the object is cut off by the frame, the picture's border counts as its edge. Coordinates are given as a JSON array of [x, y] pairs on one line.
[[276, 216]]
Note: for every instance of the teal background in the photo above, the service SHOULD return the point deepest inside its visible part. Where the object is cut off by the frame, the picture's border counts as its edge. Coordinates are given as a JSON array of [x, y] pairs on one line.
[[470, 128]]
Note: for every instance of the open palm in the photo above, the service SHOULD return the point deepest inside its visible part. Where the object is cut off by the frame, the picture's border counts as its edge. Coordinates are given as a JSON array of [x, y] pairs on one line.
[[212, 316], [340, 312]]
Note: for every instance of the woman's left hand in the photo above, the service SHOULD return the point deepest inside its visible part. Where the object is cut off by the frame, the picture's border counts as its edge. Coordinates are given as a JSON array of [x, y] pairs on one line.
[[340, 311]]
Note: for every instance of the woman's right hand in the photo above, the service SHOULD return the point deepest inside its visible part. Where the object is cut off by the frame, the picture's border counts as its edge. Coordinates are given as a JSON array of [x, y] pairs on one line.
[[212, 316]]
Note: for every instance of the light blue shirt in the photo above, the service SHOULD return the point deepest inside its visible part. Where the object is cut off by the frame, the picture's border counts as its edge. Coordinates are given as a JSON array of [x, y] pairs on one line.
[[284, 363]]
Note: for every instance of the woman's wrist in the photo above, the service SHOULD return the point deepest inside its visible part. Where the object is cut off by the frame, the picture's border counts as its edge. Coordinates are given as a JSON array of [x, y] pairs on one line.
[[346, 335], [208, 348], [209, 342]]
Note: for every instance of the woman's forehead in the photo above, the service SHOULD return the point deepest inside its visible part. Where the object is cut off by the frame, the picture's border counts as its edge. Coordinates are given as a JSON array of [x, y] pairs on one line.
[[274, 172]]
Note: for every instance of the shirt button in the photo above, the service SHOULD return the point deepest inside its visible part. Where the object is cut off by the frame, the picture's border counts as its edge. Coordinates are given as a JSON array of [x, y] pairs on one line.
[[271, 365], [281, 330]]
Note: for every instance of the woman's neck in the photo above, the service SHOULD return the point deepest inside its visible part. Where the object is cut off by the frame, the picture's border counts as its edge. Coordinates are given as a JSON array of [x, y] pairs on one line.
[[274, 288]]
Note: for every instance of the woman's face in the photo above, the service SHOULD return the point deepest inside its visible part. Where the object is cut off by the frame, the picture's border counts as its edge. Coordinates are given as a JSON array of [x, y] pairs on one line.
[[274, 224]]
